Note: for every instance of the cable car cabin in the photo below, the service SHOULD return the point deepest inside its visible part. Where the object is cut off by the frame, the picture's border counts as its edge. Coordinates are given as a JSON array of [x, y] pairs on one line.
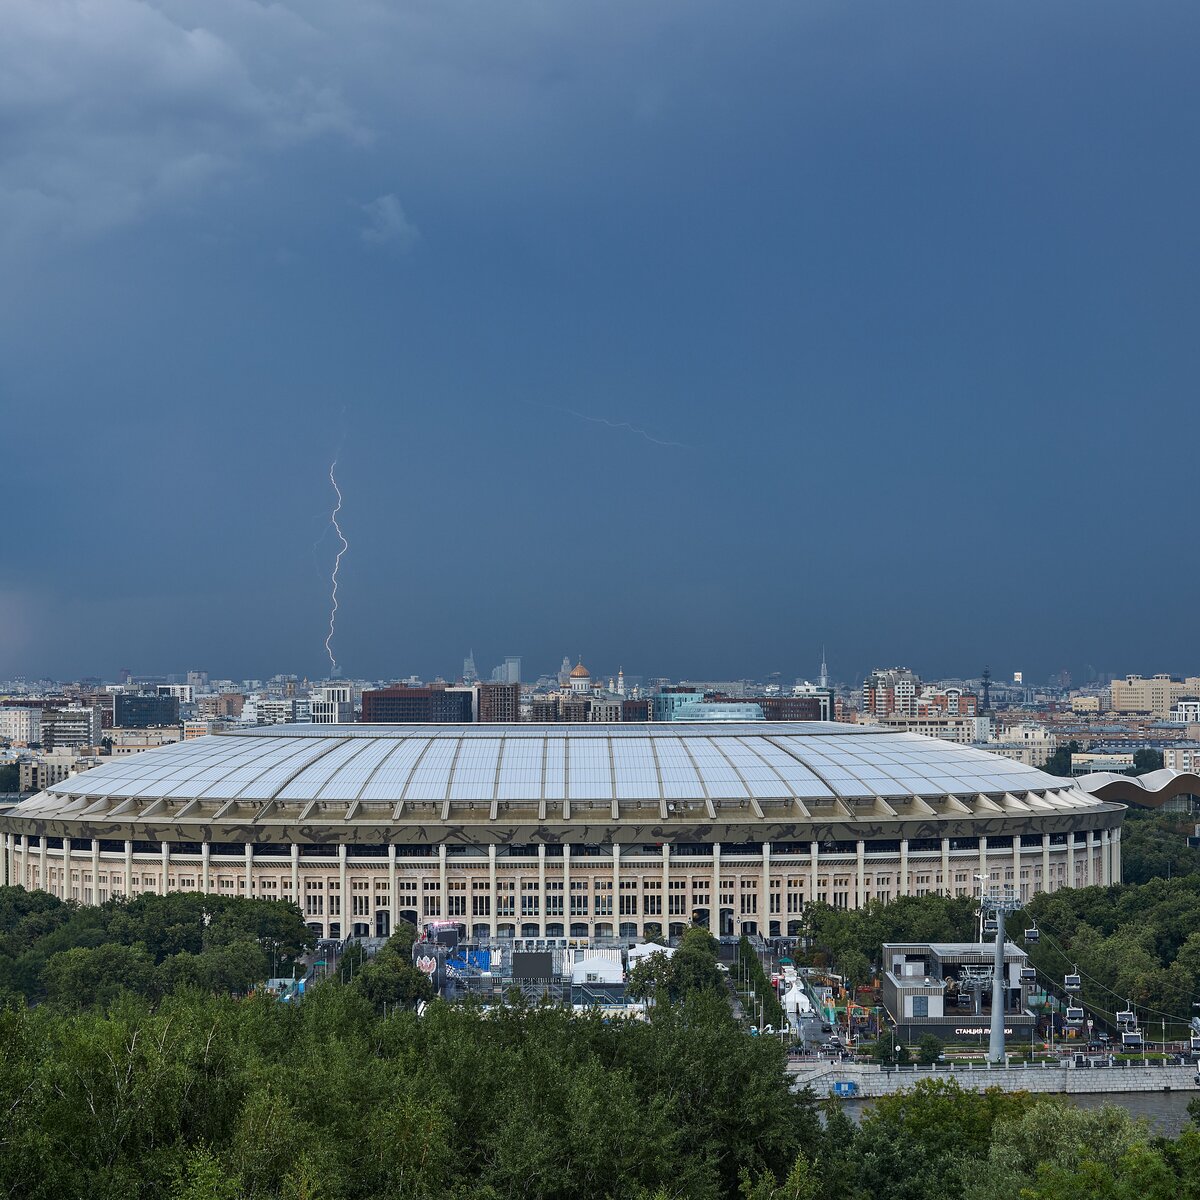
[[1132, 1037], [1074, 1015], [991, 926], [1028, 975], [1125, 1017], [1195, 1043], [1031, 935], [1071, 983]]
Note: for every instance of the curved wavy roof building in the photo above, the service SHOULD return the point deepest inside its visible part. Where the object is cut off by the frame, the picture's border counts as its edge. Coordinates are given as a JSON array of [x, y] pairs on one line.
[[559, 830]]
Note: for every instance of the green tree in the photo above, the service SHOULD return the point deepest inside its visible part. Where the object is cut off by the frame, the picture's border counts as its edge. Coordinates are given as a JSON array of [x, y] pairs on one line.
[[81, 976], [855, 968], [1059, 763], [929, 1049], [10, 777], [389, 981], [1145, 759], [889, 1051]]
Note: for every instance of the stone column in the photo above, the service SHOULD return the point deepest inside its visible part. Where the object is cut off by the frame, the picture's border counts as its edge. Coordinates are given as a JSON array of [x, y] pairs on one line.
[[764, 906], [344, 905], [66, 869], [903, 867], [1116, 855], [495, 902], [393, 894], [1016, 868], [616, 904], [665, 919], [983, 865], [1070, 860], [813, 867], [566, 882], [95, 870], [166, 868], [25, 860], [129, 866], [947, 876], [1046, 862], [860, 895], [44, 869], [300, 902], [543, 906], [714, 913], [205, 867], [249, 869], [1091, 857]]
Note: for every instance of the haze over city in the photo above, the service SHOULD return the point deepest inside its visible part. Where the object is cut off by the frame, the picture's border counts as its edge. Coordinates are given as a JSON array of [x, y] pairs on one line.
[[688, 338]]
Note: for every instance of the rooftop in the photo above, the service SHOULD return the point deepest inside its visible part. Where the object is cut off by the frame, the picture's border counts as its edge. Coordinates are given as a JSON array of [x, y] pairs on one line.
[[812, 761]]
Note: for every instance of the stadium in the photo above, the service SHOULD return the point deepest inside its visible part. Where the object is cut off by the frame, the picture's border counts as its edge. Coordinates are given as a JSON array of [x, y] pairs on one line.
[[523, 830]]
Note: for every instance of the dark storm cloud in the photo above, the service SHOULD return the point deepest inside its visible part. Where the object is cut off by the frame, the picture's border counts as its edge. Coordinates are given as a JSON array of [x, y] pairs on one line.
[[914, 285]]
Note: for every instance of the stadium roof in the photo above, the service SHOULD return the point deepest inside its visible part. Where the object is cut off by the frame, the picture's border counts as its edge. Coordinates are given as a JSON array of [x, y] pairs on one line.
[[575, 763]]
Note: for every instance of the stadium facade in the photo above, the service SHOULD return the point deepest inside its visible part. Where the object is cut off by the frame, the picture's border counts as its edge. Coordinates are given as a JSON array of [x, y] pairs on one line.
[[553, 830]]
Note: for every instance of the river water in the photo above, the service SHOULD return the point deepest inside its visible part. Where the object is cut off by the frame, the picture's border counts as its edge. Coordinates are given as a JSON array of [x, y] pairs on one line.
[[1165, 1111]]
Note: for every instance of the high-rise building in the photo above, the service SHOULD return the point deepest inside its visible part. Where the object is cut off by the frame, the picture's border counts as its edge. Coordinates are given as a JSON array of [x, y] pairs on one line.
[[509, 671], [947, 702], [499, 701], [889, 691], [21, 725], [70, 728], [470, 674], [274, 710], [1156, 695], [794, 708], [667, 699], [333, 704], [197, 681], [133, 710], [416, 705], [221, 704]]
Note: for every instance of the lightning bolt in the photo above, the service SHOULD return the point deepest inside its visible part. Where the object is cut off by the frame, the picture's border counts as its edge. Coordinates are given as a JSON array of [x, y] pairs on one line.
[[337, 563], [611, 424], [626, 425]]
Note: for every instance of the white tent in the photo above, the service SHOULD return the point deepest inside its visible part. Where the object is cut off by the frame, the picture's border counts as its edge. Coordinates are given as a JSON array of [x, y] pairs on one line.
[[596, 970], [643, 950], [795, 1002]]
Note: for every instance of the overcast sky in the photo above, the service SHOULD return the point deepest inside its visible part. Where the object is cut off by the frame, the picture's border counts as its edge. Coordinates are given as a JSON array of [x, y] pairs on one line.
[[683, 336]]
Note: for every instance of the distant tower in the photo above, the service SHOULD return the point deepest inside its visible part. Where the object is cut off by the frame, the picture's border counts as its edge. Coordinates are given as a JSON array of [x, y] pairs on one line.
[[823, 678], [986, 680], [620, 681], [564, 672], [470, 674]]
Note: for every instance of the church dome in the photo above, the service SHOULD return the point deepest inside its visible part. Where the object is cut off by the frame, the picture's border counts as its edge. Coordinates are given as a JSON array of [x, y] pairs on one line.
[[579, 671]]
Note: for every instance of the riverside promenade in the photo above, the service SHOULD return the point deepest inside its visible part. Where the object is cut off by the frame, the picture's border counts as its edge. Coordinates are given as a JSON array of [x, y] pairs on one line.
[[866, 1080]]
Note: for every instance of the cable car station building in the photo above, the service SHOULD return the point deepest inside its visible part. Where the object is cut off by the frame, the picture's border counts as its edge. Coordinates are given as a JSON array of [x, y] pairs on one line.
[[560, 830]]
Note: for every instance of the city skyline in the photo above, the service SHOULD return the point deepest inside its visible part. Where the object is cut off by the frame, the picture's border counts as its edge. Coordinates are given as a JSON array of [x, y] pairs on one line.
[[709, 334], [530, 674]]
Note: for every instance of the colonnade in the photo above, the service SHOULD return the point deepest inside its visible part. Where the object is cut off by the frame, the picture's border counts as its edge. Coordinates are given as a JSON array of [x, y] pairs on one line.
[[568, 890]]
